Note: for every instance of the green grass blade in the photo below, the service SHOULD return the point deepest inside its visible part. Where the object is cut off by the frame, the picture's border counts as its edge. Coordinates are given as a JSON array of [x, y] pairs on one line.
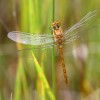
[[20, 82], [42, 77], [53, 73], [17, 94], [0, 96], [24, 23]]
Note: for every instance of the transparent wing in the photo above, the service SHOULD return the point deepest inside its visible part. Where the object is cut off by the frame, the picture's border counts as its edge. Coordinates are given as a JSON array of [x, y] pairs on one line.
[[78, 34], [73, 33], [27, 38]]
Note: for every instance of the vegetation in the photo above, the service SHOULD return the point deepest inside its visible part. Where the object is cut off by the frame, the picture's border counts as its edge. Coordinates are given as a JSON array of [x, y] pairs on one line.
[[36, 74]]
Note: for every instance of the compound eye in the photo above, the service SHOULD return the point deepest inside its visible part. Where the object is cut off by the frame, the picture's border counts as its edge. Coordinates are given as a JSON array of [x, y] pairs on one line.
[[54, 27], [53, 24], [58, 23]]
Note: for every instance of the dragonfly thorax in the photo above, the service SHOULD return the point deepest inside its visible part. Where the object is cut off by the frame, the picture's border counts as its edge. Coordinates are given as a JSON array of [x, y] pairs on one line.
[[59, 39], [58, 35]]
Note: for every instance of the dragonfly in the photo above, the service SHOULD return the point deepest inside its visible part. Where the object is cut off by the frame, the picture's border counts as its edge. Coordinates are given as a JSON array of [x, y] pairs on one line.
[[58, 38]]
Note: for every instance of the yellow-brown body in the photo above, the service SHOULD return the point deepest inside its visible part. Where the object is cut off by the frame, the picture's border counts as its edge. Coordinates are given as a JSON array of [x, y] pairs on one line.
[[59, 40]]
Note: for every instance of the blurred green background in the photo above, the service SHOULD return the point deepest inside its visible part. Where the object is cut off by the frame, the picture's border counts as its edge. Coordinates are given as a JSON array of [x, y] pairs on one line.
[[37, 75]]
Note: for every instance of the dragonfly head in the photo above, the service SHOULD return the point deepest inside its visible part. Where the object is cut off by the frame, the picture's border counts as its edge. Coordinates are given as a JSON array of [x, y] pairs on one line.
[[55, 25]]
